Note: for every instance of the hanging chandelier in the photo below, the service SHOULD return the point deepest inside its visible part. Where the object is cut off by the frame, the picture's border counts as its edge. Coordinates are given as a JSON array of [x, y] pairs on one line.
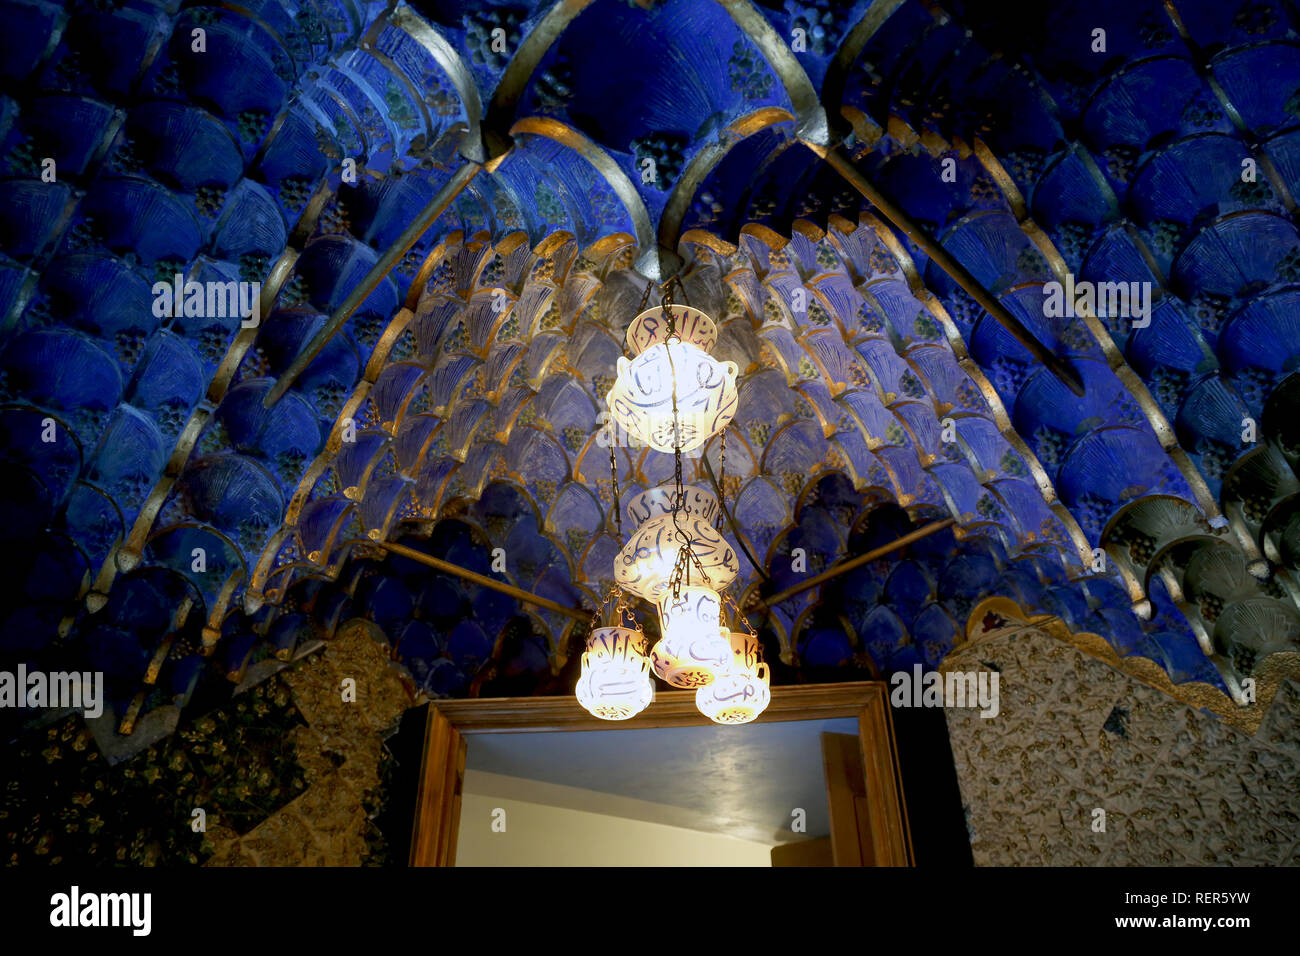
[[674, 397]]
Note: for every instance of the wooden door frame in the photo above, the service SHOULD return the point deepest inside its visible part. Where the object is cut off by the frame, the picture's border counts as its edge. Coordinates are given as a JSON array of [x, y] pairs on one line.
[[442, 770]]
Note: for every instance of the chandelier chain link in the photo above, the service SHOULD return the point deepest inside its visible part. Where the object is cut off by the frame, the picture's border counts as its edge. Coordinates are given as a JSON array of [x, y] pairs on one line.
[[613, 479], [679, 493], [722, 482], [738, 615]]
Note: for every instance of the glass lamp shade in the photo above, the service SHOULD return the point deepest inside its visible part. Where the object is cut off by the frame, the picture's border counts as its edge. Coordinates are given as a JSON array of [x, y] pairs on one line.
[[693, 650], [641, 401], [744, 652], [645, 565], [614, 683], [691, 326], [653, 502], [735, 698], [616, 644]]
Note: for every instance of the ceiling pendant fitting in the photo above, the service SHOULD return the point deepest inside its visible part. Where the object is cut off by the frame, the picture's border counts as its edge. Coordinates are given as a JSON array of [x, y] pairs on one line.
[[674, 397]]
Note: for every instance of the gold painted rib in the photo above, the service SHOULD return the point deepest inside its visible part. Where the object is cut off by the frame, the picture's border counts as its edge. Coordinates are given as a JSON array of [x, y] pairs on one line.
[[705, 161], [602, 162], [811, 117]]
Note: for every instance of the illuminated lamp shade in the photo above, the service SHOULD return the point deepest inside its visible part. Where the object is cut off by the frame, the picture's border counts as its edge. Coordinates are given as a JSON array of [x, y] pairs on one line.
[[653, 502], [641, 400], [693, 650], [614, 683], [741, 694], [691, 326], [744, 652], [645, 565], [735, 698]]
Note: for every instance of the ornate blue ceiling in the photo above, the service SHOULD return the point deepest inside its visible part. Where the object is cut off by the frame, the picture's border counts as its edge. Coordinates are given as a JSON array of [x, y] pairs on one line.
[[597, 146]]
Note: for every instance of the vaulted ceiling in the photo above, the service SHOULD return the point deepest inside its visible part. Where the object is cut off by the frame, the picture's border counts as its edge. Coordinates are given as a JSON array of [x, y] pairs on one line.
[[457, 306]]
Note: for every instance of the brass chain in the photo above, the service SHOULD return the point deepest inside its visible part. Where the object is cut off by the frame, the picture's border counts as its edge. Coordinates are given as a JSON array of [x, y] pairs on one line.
[[621, 610], [739, 616], [722, 480], [676, 281], [686, 557], [679, 493], [666, 303], [617, 597], [615, 592], [595, 617], [613, 478]]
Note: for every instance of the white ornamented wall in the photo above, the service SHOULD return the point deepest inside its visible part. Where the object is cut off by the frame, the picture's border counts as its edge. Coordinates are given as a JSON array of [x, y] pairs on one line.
[[1079, 743]]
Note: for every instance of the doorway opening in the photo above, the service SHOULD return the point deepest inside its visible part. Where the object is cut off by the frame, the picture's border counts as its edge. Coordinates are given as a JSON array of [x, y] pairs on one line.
[[680, 796], [538, 781]]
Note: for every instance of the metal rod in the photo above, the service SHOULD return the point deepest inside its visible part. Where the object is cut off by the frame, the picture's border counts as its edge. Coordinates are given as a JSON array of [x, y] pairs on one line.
[[392, 255], [838, 569], [482, 579], [949, 264], [731, 521]]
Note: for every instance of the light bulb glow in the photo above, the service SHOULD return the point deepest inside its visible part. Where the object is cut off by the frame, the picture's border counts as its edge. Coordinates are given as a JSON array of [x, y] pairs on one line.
[[641, 401], [614, 682], [692, 651], [744, 652], [658, 501], [741, 694], [645, 565], [735, 698]]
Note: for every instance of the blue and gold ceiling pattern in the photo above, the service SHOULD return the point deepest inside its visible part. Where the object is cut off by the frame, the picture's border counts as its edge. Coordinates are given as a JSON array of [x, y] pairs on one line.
[[572, 153]]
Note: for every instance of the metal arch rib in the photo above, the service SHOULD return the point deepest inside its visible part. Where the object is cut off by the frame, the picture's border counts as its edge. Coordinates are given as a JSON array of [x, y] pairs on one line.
[[617, 179], [1060, 367], [810, 115], [505, 99], [704, 162], [445, 55], [371, 280], [872, 20]]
